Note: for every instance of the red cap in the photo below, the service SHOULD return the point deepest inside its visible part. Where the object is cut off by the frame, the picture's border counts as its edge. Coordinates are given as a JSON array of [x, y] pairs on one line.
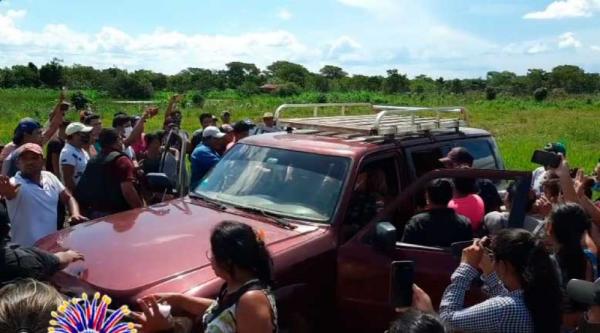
[[32, 147]]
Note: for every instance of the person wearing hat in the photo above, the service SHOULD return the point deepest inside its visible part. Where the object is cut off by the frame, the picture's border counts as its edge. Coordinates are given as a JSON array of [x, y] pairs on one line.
[[206, 120], [268, 125], [539, 175], [206, 155], [32, 197], [30, 130], [241, 129], [73, 157], [481, 190]]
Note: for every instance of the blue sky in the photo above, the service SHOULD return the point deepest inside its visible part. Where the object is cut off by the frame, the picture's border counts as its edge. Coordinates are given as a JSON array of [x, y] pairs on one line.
[[457, 38]]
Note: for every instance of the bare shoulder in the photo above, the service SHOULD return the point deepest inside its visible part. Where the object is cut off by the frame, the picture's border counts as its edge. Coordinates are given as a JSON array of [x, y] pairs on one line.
[[254, 299]]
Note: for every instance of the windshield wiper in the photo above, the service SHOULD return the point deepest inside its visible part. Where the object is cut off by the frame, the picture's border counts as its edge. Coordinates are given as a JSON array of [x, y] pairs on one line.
[[208, 200], [273, 217]]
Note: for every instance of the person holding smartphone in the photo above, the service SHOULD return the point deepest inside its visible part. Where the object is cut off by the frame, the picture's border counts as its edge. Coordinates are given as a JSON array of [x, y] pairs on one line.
[[519, 277]]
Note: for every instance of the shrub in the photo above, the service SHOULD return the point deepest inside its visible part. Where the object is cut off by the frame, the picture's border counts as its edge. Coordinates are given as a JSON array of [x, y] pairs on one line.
[[198, 100], [287, 89], [490, 93], [79, 101], [540, 94]]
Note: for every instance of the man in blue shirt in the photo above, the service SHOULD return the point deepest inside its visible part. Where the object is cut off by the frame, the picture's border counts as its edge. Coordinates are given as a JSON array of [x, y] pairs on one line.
[[206, 155]]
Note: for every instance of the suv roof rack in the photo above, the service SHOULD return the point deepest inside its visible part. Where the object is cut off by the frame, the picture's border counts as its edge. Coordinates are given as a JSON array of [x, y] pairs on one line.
[[386, 120]]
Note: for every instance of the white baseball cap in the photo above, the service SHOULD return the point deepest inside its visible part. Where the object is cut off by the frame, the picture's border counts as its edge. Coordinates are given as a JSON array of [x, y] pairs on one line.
[[77, 127], [212, 132]]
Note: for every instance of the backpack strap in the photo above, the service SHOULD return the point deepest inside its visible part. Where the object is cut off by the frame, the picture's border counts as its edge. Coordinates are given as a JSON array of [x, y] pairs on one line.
[[113, 155]]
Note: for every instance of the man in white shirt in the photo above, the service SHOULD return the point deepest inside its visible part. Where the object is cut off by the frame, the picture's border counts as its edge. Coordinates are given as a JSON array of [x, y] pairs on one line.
[[539, 175], [73, 157], [32, 197]]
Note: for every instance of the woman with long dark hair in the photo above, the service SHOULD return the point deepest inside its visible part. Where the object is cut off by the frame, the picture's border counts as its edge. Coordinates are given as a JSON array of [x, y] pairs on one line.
[[521, 280], [566, 227], [245, 303]]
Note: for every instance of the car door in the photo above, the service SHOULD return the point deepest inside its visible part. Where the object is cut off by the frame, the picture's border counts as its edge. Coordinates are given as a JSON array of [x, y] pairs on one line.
[[363, 267]]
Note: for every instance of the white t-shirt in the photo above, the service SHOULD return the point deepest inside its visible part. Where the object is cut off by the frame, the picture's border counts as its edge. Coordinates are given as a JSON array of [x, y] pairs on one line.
[[78, 158], [537, 178], [33, 212]]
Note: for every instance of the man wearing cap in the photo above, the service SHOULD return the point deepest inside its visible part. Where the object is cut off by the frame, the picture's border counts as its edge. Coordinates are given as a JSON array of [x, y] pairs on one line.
[[241, 129], [206, 155], [268, 125], [73, 158], [32, 197], [205, 121], [29, 130], [459, 157], [539, 175]]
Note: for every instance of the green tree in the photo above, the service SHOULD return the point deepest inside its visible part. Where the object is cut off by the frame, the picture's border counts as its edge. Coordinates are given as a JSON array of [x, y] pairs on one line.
[[536, 78], [51, 74], [25, 76], [395, 82], [285, 71], [569, 77], [332, 72], [82, 77], [239, 72], [502, 81], [456, 87]]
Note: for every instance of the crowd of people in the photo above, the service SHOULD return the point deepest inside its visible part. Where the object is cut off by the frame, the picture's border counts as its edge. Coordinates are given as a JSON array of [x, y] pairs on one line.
[[90, 172]]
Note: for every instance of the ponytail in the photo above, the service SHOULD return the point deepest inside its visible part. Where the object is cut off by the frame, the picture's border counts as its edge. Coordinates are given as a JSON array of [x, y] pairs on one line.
[[236, 244], [536, 273]]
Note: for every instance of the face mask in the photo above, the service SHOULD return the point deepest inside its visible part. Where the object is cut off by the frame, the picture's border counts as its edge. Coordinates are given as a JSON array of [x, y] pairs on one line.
[[85, 139], [128, 131]]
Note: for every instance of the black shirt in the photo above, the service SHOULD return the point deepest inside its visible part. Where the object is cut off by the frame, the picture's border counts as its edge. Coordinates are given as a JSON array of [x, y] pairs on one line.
[[489, 194], [437, 227], [54, 147], [21, 262]]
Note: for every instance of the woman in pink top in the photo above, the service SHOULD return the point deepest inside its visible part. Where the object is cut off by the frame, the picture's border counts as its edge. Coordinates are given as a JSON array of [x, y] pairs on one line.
[[467, 203]]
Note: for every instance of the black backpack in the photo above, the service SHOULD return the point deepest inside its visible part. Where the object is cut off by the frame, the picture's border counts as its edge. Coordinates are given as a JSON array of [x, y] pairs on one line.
[[97, 190]]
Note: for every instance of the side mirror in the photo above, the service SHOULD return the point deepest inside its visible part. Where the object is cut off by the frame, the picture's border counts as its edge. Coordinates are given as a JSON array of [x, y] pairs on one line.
[[158, 182], [385, 236]]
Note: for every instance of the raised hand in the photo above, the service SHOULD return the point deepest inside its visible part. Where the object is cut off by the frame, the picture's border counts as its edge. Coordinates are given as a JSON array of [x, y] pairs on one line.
[[7, 189]]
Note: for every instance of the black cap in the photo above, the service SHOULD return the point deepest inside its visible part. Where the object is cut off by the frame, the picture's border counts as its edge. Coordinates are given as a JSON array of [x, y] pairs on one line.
[[243, 126], [458, 156]]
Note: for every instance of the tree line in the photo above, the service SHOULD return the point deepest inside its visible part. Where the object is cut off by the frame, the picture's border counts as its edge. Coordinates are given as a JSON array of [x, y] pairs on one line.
[[287, 78]]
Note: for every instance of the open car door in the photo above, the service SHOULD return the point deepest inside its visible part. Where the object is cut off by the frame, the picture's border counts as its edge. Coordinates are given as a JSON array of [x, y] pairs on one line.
[[364, 262]]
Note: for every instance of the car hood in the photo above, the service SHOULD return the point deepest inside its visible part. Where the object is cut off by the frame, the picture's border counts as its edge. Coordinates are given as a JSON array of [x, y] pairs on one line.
[[139, 249]]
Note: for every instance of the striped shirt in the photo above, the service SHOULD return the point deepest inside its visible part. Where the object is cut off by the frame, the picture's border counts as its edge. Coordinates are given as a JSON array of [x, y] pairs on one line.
[[505, 311]]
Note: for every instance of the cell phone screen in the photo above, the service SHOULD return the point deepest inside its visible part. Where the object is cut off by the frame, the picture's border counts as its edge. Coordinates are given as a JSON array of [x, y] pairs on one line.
[[401, 281]]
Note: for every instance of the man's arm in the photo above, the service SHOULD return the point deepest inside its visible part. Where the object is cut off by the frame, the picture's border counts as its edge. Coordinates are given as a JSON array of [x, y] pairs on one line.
[[131, 195], [171, 107], [56, 118], [68, 171], [138, 129], [67, 199]]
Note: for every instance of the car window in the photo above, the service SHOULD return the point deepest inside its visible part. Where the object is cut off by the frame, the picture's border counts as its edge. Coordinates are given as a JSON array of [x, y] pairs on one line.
[[482, 152], [284, 182]]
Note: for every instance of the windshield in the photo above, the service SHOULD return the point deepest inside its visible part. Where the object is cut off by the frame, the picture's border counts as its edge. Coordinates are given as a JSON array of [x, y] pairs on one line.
[[277, 181]]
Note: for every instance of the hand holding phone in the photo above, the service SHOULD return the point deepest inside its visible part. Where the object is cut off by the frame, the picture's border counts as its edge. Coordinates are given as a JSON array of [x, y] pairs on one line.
[[401, 283], [547, 159]]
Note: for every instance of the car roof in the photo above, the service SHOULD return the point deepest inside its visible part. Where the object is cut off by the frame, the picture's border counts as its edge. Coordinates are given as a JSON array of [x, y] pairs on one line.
[[322, 143]]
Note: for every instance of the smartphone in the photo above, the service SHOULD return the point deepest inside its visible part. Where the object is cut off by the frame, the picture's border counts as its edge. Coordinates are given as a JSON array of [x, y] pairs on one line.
[[401, 282], [545, 158]]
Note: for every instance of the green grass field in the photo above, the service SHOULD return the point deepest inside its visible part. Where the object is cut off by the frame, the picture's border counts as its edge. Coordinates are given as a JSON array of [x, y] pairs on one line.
[[519, 125]]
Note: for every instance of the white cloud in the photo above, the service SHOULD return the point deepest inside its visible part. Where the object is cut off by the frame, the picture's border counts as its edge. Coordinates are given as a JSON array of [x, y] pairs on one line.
[[161, 50], [568, 40], [284, 14], [537, 48], [566, 9], [595, 48]]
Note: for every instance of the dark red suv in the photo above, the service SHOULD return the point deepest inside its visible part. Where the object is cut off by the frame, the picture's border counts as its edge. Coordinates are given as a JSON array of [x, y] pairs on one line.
[[301, 187]]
